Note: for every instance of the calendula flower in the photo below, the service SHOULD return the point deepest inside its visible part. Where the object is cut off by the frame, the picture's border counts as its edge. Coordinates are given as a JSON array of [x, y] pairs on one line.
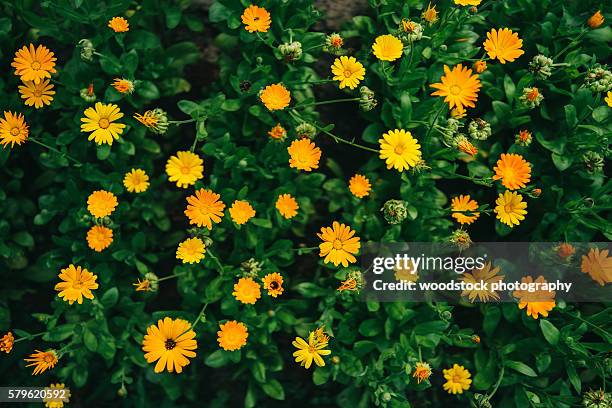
[[422, 371], [99, 238], [333, 44], [34, 64], [136, 181], [458, 87], [310, 351], [531, 97], [101, 203], [191, 250], [171, 343], [37, 94], [241, 211], [143, 285], [464, 203], [232, 335], [510, 208], [565, 251], [100, 121], [304, 155], [596, 20], [399, 149], [339, 244], [119, 25], [457, 378], [359, 186], [13, 129], [88, 94], [156, 120], [410, 31], [124, 86], [53, 401], [76, 283], [353, 283], [461, 238], [348, 71], [468, 2], [204, 208], [42, 361], [538, 302], [598, 265], [273, 283], [430, 14], [6, 342], [247, 291], [185, 168], [387, 47], [485, 274], [480, 66], [405, 271], [278, 133], [275, 97], [458, 112], [523, 138], [465, 146], [287, 206], [503, 45], [513, 171], [256, 19], [608, 99]]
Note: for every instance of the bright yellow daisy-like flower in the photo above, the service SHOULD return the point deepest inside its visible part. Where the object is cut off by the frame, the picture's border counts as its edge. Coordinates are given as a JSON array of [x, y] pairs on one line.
[[6, 342], [287, 206], [171, 343], [464, 203], [42, 361], [99, 238], [76, 283], [136, 181], [513, 171], [608, 99], [399, 149], [37, 95], [101, 203], [422, 371], [458, 87], [185, 168], [275, 97], [348, 71], [56, 402], [405, 271], [34, 64], [278, 132], [457, 379], [256, 19], [191, 250], [119, 24], [124, 86], [232, 335], [359, 186], [204, 208], [339, 244], [538, 302], [503, 44], [13, 129], [100, 121], [430, 14], [387, 47], [598, 265], [247, 291], [486, 274], [273, 283], [596, 20], [241, 211], [510, 208], [468, 2], [310, 351], [305, 155]]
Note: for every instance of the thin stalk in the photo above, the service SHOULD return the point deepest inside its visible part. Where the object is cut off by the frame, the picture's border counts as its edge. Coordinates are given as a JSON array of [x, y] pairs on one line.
[[176, 275], [53, 149], [327, 102], [30, 337], [215, 260], [181, 122], [197, 320]]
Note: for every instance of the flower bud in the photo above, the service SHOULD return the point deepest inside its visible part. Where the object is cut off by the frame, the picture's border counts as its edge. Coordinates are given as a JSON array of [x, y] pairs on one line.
[[464, 145], [87, 49], [541, 66], [523, 138], [480, 401], [394, 211], [461, 239], [410, 31], [88, 94], [596, 20], [475, 339], [306, 130], [593, 161], [598, 79], [333, 44], [597, 399], [479, 129], [245, 86], [367, 102], [251, 266], [480, 66], [122, 392], [291, 51], [531, 97], [335, 360], [153, 281]]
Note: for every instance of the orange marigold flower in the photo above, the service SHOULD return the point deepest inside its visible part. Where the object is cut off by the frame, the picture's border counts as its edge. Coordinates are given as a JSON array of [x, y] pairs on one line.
[[99, 238], [598, 265], [596, 20], [513, 170], [538, 302], [256, 19], [247, 291], [464, 203], [458, 87], [119, 24], [42, 361], [273, 283], [467, 147], [359, 186], [124, 86], [6, 342], [504, 45], [278, 132], [339, 244], [204, 208], [13, 129], [287, 206], [275, 97], [232, 335], [34, 64], [241, 211], [422, 371], [305, 155], [101, 203], [480, 66], [565, 250]]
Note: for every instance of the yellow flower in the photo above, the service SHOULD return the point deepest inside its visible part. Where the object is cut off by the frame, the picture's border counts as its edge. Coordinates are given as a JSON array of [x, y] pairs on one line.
[[339, 244], [241, 211], [387, 47], [204, 208], [255, 19], [100, 121], [510, 208], [275, 97], [34, 64], [13, 129], [596, 20], [464, 203], [503, 44], [152, 119], [399, 149], [348, 71], [101, 203], [468, 2], [457, 379], [305, 155], [185, 168], [124, 86], [42, 361], [486, 274], [99, 238], [37, 95], [170, 343], [598, 265], [480, 66], [513, 171], [247, 291], [6, 342], [458, 112], [422, 371], [56, 400], [278, 132], [232, 336], [430, 14], [77, 283], [310, 351], [119, 24], [191, 250], [538, 302], [287, 206], [609, 99], [273, 283], [143, 285], [458, 87], [405, 271], [359, 186], [136, 181]]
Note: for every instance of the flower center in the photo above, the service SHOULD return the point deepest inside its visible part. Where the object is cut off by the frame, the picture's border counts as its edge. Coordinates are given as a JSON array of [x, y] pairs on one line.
[[15, 131], [399, 149], [337, 244], [274, 285], [185, 169], [48, 358], [103, 123], [35, 65], [508, 208], [456, 378], [312, 349], [455, 89], [347, 73], [37, 93], [170, 344]]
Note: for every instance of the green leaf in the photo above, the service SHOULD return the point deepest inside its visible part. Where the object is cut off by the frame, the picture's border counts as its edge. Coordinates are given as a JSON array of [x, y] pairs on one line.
[[509, 87], [550, 332], [521, 368], [102, 152], [90, 340], [571, 118], [601, 113], [274, 389], [110, 297], [24, 239], [173, 16], [217, 358]]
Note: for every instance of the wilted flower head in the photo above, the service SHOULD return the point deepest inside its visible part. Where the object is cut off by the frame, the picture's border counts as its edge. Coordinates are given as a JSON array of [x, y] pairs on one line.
[[531, 97], [464, 145], [394, 211], [461, 238], [479, 129], [367, 102], [541, 66], [156, 120], [599, 79], [410, 31], [87, 49], [88, 94], [430, 14], [306, 130], [250, 267], [353, 283], [523, 138], [480, 66], [291, 51], [593, 161], [596, 20], [597, 399]]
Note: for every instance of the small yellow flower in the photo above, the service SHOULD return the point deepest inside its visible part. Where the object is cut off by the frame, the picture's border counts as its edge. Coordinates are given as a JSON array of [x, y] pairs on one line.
[[287, 206], [457, 379], [430, 14], [76, 283], [422, 371], [256, 19], [468, 2], [464, 203], [34, 64], [99, 238], [13, 129], [399, 149], [100, 121], [124, 86], [101, 203], [119, 24], [458, 112], [348, 71], [510, 208], [359, 186], [37, 94], [273, 283], [504, 45], [305, 155], [609, 99], [143, 285], [480, 66], [56, 402], [458, 87], [339, 244], [241, 211], [387, 47], [275, 97], [191, 250], [310, 351], [232, 335], [185, 168], [485, 274], [171, 343], [136, 181], [42, 361], [596, 20], [247, 291], [538, 302]]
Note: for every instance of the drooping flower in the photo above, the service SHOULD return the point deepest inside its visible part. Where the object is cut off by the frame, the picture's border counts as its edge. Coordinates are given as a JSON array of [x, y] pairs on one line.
[[204, 208], [76, 284], [171, 343], [101, 203], [513, 170], [510, 208], [34, 64], [485, 274], [304, 155], [275, 97], [55, 399], [256, 19], [348, 71], [37, 95], [339, 244], [232, 335], [287, 206], [247, 291], [422, 371], [430, 14], [124, 86], [13, 129], [596, 20], [503, 45], [185, 168], [399, 149], [6, 342], [42, 361], [119, 24], [143, 285], [310, 351], [278, 133], [156, 120], [458, 87], [241, 211], [480, 66], [410, 31], [273, 283], [191, 250], [468, 2], [100, 121], [537, 302], [464, 203], [457, 379], [387, 47], [136, 181], [598, 265], [359, 186], [99, 238]]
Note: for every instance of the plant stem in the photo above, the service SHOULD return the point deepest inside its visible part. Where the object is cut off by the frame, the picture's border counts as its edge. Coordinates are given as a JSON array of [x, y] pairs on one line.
[[176, 275], [181, 122], [197, 320], [327, 102], [30, 337], [499, 380], [53, 149], [216, 261], [431, 125]]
